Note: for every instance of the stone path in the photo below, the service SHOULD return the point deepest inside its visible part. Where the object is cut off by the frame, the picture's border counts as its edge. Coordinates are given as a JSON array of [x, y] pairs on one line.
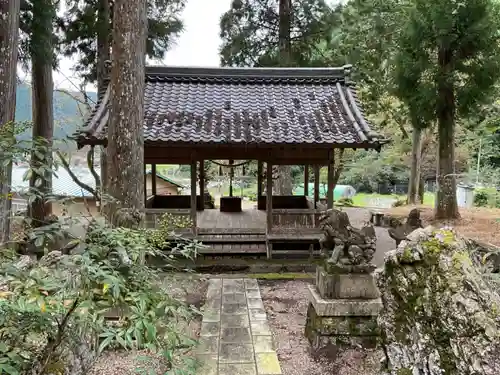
[[235, 336]]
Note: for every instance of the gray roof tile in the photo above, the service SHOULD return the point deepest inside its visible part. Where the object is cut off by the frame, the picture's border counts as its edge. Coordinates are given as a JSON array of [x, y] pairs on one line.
[[245, 106]]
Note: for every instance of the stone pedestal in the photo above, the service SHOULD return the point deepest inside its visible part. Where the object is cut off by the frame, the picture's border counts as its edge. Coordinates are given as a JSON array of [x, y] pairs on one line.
[[343, 307]]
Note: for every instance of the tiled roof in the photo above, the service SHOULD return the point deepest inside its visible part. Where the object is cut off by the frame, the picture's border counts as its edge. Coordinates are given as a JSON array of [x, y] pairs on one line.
[[245, 106]]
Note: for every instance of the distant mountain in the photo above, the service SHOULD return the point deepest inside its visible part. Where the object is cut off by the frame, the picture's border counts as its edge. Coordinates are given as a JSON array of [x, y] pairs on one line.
[[67, 111]]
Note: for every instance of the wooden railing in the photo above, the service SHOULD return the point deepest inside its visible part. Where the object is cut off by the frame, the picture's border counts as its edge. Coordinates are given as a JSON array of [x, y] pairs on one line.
[[183, 215], [295, 221]]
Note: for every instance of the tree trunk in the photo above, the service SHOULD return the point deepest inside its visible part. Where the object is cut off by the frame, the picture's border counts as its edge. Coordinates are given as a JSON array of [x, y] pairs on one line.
[[284, 183], [416, 153], [42, 57], [125, 131], [103, 59], [9, 30], [446, 205]]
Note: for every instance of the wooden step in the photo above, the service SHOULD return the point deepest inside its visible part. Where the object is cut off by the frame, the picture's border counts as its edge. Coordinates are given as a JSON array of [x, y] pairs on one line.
[[233, 248]]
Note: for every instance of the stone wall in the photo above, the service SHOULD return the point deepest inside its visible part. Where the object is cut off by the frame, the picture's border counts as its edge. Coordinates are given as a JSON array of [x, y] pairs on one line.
[[441, 313]]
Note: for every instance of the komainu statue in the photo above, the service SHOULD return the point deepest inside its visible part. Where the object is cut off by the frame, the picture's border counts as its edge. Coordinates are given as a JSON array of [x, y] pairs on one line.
[[343, 244], [399, 231]]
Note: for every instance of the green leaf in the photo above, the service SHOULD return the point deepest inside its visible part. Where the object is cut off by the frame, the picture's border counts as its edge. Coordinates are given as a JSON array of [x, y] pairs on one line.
[[105, 343]]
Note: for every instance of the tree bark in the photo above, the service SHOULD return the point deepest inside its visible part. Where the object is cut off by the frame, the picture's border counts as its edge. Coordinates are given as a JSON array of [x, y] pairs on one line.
[[416, 154], [42, 58], [103, 56], [9, 33], [125, 130], [446, 200], [284, 183]]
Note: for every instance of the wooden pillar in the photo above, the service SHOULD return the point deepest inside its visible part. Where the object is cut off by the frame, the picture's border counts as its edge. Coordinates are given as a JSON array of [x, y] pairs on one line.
[[153, 179], [202, 184], [259, 178], [231, 177], [145, 184], [306, 180], [193, 195], [269, 196], [329, 199], [316, 186]]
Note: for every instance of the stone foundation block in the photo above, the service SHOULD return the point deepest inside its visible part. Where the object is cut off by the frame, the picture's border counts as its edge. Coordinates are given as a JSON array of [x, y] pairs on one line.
[[346, 285], [343, 307]]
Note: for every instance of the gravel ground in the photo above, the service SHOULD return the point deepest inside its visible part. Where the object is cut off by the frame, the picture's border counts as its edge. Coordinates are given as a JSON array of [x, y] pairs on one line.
[[286, 306], [187, 287]]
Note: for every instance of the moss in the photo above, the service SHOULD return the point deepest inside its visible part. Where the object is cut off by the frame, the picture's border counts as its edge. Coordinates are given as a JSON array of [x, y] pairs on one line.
[[461, 258], [404, 371], [407, 256]]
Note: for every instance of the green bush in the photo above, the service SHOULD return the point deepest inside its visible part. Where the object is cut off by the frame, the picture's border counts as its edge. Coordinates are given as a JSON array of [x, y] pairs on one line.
[[481, 198], [44, 306], [53, 311], [345, 202]]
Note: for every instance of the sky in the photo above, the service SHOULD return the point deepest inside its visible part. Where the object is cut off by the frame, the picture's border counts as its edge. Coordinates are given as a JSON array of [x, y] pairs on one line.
[[198, 44]]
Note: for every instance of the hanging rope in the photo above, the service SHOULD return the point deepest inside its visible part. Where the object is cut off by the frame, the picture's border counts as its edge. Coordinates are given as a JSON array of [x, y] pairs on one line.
[[230, 165]]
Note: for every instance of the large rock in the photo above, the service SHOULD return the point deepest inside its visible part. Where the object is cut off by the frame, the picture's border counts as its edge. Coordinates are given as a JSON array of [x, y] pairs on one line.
[[441, 316]]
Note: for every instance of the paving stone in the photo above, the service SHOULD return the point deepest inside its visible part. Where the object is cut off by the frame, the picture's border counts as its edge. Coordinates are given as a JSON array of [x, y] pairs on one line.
[[235, 353], [267, 364], [239, 282], [260, 327], [253, 294], [208, 364], [237, 369], [210, 328], [215, 283], [213, 303], [255, 303], [211, 315], [236, 334], [235, 308], [233, 298], [257, 314], [228, 321], [263, 344], [233, 289], [208, 345], [251, 284], [214, 293]]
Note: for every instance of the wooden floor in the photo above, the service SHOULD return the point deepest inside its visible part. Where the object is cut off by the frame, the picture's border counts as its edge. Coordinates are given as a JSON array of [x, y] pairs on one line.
[[247, 219]]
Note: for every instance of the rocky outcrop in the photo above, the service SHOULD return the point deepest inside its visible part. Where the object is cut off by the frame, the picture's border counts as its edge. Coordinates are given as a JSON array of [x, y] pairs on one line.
[[441, 316]]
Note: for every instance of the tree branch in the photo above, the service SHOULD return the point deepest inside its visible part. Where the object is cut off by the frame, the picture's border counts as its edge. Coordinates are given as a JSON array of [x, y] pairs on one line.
[[76, 179]]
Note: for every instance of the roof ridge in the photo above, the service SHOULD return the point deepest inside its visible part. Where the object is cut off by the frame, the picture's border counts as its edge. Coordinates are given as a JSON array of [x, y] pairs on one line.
[[249, 72]]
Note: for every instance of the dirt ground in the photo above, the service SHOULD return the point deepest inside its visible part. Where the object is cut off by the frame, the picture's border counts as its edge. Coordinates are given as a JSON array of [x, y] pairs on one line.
[[191, 289], [286, 306], [481, 224]]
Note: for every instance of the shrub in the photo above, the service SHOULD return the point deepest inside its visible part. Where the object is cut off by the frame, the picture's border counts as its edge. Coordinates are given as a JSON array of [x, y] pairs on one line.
[[399, 202], [44, 306], [481, 198], [53, 310], [345, 202]]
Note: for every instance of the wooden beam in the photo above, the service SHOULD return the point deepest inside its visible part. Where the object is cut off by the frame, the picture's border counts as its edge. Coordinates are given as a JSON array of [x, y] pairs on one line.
[[202, 183], [269, 197], [316, 185], [329, 199], [153, 179], [259, 178], [193, 195], [306, 180]]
